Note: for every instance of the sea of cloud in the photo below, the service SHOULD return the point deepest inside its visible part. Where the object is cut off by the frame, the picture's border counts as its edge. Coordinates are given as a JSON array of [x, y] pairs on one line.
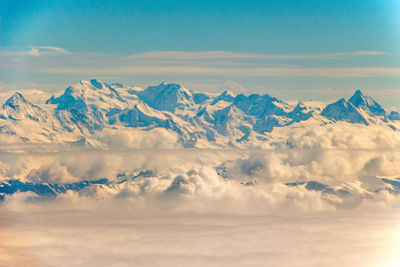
[[55, 234], [209, 207]]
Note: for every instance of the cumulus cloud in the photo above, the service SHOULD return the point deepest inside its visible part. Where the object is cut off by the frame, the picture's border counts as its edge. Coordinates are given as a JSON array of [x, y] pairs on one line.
[[219, 180], [383, 165], [338, 135], [129, 138]]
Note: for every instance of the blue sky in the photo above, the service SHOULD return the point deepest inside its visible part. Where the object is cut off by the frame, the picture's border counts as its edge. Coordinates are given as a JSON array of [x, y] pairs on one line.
[[286, 48]]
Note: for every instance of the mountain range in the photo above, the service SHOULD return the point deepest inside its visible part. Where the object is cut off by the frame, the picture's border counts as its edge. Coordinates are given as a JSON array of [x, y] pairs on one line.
[[80, 114]]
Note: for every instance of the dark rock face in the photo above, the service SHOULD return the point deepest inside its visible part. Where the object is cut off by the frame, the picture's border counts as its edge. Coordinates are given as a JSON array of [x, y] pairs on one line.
[[43, 189], [342, 110]]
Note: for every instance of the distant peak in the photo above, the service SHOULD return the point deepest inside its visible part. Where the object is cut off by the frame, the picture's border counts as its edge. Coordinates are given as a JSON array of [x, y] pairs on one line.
[[358, 93], [358, 97], [359, 100], [17, 95], [15, 98]]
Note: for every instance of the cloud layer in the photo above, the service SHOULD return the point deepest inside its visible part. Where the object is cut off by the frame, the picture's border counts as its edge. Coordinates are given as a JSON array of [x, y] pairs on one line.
[[207, 207], [115, 236], [236, 181], [56, 60]]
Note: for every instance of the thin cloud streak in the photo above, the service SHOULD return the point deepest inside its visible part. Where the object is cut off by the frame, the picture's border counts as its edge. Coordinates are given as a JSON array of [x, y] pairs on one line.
[[232, 55], [196, 55], [34, 51], [249, 72], [207, 63]]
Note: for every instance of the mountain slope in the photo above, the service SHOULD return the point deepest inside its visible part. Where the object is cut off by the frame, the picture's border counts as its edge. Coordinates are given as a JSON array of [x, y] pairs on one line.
[[359, 100], [342, 110], [167, 97]]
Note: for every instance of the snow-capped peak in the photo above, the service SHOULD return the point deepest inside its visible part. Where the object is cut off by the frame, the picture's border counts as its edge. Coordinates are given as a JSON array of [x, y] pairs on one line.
[[359, 100], [87, 108], [17, 108], [87, 94], [15, 101]]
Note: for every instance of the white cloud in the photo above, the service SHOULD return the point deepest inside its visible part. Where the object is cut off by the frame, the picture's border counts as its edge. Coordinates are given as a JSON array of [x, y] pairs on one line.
[[238, 72], [212, 63], [54, 49], [217, 55], [191, 180], [116, 234], [188, 214], [131, 138], [34, 51]]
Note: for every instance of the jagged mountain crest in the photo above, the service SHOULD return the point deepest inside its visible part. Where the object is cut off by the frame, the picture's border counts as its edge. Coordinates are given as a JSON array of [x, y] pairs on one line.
[[300, 113], [86, 108], [259, 105]]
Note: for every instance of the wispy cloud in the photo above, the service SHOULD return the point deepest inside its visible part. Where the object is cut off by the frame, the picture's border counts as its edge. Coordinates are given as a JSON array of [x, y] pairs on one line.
[[183, 55], [194, 55], [249, 72], [56, 63], [34, 51], [209, 63]]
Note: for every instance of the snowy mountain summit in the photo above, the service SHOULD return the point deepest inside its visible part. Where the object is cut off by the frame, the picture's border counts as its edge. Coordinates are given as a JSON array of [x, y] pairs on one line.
[[94, 113]]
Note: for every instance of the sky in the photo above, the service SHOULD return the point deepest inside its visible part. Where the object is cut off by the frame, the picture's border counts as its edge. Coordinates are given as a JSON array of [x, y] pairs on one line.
[[291, 49]]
